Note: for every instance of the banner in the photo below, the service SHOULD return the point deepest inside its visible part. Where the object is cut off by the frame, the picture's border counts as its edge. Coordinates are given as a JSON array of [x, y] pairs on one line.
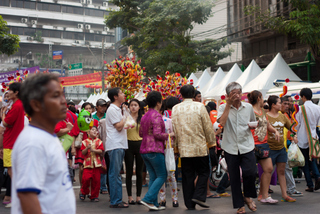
[[4, 76], [81, 79]]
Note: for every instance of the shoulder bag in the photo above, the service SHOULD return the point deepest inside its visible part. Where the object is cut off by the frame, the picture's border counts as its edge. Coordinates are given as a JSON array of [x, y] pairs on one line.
[[314, 146]]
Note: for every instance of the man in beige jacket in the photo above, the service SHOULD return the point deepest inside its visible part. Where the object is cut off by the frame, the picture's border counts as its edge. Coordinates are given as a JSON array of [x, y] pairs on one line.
[[193, 129]]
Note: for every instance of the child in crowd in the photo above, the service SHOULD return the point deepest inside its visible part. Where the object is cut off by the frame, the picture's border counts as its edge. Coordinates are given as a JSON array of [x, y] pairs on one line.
[[91, 149]]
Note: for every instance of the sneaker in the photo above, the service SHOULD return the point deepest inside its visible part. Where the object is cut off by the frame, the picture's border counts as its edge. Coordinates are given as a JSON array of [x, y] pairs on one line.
[[295, 194], [309, 189], [269, 200], [8, 205], [151, 207], [161, 208], [288, 199]]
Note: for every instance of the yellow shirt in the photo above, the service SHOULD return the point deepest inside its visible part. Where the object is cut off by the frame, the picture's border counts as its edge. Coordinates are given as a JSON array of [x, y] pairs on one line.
[[133, 134], [193, 129]]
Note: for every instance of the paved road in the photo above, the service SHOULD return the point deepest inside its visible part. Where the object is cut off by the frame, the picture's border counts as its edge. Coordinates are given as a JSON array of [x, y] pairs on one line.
[[309, 204]]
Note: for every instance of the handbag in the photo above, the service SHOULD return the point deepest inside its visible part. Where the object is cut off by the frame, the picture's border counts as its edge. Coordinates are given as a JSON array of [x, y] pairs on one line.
[[66, 141], [261, 152], [169, 156], [314, 146], [78, 141]]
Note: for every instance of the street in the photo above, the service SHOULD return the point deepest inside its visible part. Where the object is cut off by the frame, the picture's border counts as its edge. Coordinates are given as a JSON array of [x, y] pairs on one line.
[[309, 203]]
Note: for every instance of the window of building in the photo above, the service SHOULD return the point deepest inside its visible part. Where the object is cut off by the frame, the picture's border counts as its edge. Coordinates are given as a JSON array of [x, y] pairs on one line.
[[43, 6], [17, 30], [45, 33], [55, 34], [4, 3], [29, 31], [78, 36], [30, 5], [68, 35], [98, 38], [16, 3], [92, 12], [89, 36], [78, 10]]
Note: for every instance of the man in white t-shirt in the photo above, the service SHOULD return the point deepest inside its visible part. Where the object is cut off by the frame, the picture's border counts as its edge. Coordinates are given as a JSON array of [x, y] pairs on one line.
[[115, 146], [41, 181]]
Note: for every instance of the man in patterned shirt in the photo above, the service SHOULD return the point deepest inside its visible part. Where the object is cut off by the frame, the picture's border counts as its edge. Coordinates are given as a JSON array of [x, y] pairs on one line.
[[193, 129]]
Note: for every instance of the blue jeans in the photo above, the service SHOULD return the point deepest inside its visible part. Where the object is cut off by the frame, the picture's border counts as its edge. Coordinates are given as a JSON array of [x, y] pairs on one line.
[[309, 165], [116, 158], [103, 181], [156, 167]]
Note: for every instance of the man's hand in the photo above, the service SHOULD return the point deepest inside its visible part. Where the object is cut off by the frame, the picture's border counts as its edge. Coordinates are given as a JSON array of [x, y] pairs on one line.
[[231, 98], [89, 146], [73, 151], [295, 139], [69, 126]]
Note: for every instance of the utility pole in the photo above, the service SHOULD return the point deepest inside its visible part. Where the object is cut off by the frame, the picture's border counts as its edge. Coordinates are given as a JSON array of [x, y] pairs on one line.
[[102, 70]]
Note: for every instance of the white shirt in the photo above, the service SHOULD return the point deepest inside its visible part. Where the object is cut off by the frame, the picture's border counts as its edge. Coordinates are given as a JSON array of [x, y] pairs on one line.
[[115, 139], [39, 165], [313, 115], [237, 136]]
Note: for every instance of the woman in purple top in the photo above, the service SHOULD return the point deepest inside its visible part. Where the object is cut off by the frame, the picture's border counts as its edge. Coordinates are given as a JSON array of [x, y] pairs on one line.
[[152, 131]]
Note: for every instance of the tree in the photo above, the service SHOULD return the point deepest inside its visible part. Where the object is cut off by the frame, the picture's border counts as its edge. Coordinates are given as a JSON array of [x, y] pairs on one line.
[[160, 34], [9, 43], [302, 22]]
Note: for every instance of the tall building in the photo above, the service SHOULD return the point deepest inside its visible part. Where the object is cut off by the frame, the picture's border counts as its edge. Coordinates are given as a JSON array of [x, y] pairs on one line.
[[216, 28], [260, 43], [75, 27]]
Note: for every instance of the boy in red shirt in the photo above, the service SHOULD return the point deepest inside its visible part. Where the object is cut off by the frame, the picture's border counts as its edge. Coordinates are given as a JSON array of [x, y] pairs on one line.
[[14, 123], [91, 149]]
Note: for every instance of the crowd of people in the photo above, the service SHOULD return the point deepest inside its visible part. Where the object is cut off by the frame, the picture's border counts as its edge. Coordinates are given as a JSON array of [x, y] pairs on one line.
[[36, 119]]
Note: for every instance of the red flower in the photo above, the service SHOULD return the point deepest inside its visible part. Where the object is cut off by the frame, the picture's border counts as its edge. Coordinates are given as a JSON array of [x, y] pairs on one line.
[[167, 72], [297, 97], [191, 80], [287, 80], [61, 81], [223, 97], [105, 62], [2, 90], [144, 68]]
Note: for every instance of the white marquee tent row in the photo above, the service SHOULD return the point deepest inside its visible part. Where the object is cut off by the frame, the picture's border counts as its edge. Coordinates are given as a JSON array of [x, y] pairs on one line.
[[253, 78], [94, 97]]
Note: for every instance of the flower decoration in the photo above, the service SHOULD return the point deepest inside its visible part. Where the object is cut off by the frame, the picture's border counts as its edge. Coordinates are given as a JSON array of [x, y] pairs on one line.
[[127, 75], [168, 86]]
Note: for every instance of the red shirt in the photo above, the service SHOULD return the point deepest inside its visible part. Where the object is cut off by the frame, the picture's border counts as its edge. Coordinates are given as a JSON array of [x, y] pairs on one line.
[[213, 116], [15, 120], [72, 118]]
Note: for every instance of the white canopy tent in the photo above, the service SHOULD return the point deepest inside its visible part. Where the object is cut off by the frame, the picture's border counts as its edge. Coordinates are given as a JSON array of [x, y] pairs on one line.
[[277, 69], [220, 89], [194, 78], [251, 72], [90, 97], [203, 80], [217, 77], [81, 102]]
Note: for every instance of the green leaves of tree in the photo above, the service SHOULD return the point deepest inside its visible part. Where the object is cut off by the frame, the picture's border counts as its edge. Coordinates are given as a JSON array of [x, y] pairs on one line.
[[161, 34], [9, 43]]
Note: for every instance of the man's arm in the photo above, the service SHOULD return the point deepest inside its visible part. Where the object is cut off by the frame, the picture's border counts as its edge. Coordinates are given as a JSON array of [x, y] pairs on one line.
[[29, 202], [224, 117], [119, 126], [65, 130]]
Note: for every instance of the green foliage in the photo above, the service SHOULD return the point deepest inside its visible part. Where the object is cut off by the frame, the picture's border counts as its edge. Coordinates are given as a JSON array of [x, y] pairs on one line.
[[46, 61], [303, 22], [161, 34], [38, 36], [9, 43]]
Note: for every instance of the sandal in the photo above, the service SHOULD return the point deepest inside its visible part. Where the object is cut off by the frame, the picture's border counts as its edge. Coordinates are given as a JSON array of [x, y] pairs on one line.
[[241, 210], [131, 202], [104, 192], [251, 205], [121, 205], [95, 200], [82, 197]]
